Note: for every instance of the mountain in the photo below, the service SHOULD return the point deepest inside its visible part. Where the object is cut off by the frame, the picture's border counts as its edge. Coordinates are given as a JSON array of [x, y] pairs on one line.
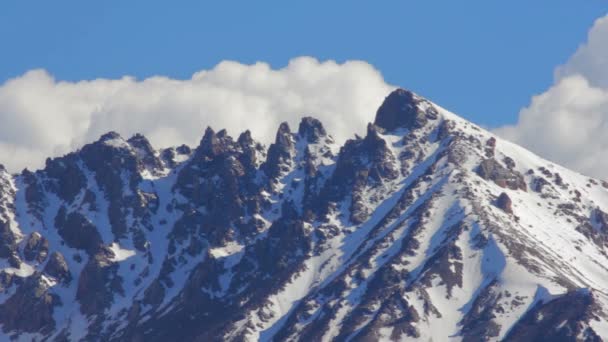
[[428, 228]]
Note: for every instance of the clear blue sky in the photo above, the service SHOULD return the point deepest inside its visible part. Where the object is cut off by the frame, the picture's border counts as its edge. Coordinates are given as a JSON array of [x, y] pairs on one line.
[[481, 58]]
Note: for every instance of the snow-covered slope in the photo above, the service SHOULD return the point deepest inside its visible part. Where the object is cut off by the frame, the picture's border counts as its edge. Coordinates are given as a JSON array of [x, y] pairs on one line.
[[428, 228]]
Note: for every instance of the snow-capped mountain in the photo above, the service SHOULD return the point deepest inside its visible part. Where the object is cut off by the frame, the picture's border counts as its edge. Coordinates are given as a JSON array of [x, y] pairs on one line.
[[428, 228]]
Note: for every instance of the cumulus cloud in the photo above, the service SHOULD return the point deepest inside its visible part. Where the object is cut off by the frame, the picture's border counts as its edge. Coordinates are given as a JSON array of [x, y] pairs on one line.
[[43, 117], [569, 122]]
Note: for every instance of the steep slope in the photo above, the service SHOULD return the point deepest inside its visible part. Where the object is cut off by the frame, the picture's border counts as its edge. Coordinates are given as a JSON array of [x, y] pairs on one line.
[[429, 228]]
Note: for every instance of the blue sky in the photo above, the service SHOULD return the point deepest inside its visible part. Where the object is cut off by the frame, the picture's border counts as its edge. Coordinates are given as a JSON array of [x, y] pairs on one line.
[[481, 59]]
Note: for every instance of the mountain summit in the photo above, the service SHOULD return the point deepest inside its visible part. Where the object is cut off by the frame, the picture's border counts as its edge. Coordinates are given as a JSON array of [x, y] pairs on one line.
[[428, 228]]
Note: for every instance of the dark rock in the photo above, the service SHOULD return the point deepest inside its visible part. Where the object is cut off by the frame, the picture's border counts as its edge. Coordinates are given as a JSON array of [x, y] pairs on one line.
[[168, 156], [490, 169], [97, 284], [491, 143], [67, 179], [509, 162], [249, 152], [211, 145], [561, 319], [145, 153], [490, 147], [311, 129], [6, 281], [183, 149], [117, 173], [280, 153], [545, 172], [558, 180], [445, 129], [36, 248], [8, 241], [30, 309], [109, 136], [361, 163], [504, 202], [478, 324], [539, 183], [77, 231], [401, 110], [57, 267], [155, 293], [34, 194]]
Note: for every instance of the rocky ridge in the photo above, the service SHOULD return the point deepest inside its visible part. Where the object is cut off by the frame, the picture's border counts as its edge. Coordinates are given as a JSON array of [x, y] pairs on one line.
[[428, 221]]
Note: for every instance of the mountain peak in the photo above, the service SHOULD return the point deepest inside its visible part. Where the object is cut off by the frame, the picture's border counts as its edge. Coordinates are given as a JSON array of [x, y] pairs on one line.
[[311, 129], [402, 109], [213, 143], [139, 139], [283, 137]]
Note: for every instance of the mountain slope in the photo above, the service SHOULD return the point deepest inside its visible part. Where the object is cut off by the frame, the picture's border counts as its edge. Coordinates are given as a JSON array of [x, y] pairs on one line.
[[429, 228]]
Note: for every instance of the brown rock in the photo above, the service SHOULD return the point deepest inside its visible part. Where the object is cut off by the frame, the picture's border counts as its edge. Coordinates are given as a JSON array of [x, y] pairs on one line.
[[490, 169], [57, 267], [96, 284], [36, 248], [401, 110], [30, 309], [504, 202]]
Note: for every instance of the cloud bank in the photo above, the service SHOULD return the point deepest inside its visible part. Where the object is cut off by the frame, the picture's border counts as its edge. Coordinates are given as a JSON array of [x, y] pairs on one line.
[[43, 117], [569, 122]]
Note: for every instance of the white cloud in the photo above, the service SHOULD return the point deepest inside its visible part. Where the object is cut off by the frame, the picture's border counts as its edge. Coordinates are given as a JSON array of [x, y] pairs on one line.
[[591, 58], [569, 122], [43, 117]]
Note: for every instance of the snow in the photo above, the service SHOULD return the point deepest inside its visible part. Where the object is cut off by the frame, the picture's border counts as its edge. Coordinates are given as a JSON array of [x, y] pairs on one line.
[[24, 269], [227, 250], [121, 254], [117, 143]]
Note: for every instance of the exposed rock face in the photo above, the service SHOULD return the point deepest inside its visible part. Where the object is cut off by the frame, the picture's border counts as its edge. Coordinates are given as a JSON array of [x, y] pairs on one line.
[[402, 109], [57, 267], [504, 202], [8, 240], [97, 285], [602, 220], [562, 319], [36, 248], [280, 153], [397, 235], [30, 309], [490, 169], [154, 294], [66, 177], [77, 231], [312, 130], [361, 163]]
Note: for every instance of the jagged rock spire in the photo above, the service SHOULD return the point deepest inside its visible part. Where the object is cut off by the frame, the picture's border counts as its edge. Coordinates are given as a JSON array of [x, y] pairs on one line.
[[283, 137], [245, 139], [210, 143], [311, 129], [141, 142], [400, 110], [279, 152], [109, 136]]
